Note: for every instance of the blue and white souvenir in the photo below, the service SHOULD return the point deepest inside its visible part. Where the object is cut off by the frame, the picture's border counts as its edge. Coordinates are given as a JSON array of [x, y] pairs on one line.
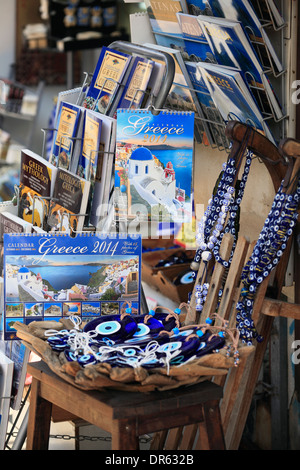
[[113, 327]]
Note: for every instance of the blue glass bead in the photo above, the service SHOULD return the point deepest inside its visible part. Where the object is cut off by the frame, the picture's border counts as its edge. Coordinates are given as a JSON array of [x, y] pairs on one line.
[[208, 321]]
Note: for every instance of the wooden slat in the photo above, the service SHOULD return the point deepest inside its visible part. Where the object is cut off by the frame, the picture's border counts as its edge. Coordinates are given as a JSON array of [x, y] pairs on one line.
[[217, 278], [231, 288], [188, 437], [174, 438], [278, 308]]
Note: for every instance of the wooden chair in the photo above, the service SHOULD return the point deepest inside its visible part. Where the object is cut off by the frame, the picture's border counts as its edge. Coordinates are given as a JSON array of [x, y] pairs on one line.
[[238, 386], [181, 424]]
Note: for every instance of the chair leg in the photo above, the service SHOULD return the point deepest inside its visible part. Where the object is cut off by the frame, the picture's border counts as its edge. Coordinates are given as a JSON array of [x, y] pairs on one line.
[[39, 420], [123, 435], [213, 426]]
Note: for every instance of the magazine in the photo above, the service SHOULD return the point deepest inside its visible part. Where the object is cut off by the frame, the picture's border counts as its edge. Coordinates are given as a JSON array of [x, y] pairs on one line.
[[68, 119], [48, 277], [37, 181], [154, 163], [231, 47]]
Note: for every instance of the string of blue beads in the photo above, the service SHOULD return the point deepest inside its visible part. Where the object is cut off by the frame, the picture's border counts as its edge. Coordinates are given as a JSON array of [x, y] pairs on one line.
[[266, 255], [212, 226]]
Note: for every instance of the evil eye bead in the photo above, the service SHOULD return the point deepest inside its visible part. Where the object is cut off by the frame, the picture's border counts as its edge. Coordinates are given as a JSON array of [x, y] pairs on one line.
[[108, 328], [130, 352], [170, 347], [70, 356], [86, 359], [206, 255], [142, 330]]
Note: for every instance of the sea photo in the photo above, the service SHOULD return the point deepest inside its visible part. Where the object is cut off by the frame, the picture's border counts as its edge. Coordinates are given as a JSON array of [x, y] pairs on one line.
[[68, 279], [154, 160], [54, 276]]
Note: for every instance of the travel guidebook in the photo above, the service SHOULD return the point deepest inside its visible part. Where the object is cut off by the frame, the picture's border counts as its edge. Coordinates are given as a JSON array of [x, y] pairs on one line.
[[241, 10], [162, 15], [48, 277], [37, 181], [211, 113], [231, 47], [232, 97], [135, 88], [68, 206], [63, 146], [88, 160], [105, 170], [107, 79], [154, 163], [182, 96], [86, 163], [196, 47]]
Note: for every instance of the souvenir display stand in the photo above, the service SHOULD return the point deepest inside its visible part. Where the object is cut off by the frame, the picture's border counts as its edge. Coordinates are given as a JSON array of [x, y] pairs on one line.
[[187, 376]]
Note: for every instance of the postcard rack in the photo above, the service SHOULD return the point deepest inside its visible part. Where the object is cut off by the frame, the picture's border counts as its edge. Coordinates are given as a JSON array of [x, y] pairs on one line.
[[210, 124]]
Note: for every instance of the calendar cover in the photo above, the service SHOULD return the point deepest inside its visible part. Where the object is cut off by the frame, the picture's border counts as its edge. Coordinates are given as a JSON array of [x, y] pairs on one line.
[[52, 276], [154, 163]]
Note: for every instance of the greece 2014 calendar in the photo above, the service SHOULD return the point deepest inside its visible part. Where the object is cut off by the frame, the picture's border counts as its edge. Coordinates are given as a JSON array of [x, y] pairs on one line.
[[48, 277], [154, 162]]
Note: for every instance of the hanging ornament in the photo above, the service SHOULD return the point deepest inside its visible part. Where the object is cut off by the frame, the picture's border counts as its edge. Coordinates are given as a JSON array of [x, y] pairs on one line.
[[270, 246]]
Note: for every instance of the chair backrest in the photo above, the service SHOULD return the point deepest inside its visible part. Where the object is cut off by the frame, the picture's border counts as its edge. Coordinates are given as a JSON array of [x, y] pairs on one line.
[[240, 382]]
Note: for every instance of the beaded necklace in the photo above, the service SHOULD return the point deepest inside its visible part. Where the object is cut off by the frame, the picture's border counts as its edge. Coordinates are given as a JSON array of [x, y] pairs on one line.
[[223, 205], [266, 254]]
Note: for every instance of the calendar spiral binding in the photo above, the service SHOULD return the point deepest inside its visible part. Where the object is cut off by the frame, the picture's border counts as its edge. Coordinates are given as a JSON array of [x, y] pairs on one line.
[[83, 234], [152, 108]]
